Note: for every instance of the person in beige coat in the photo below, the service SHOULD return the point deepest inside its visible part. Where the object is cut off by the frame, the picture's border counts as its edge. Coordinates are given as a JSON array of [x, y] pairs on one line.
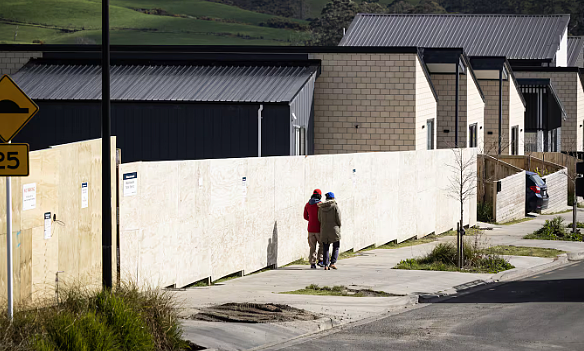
[[329, 217]]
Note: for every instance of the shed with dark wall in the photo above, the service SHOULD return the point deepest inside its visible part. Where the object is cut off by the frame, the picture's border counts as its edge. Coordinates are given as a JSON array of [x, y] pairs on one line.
[[173, 112]]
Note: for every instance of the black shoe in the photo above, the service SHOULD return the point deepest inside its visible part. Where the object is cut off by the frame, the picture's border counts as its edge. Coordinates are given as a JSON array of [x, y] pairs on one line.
[[320, 264], [312, 266]]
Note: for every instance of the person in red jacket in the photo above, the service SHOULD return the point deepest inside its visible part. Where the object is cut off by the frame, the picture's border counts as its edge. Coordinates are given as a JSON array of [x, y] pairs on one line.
[[311, 215]]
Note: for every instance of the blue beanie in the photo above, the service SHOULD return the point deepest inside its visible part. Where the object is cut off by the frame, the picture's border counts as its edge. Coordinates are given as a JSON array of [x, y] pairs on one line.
[[330, 195]]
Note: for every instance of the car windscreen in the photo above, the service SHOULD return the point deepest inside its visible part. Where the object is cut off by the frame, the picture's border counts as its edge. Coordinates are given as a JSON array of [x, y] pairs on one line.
[[537, 180]]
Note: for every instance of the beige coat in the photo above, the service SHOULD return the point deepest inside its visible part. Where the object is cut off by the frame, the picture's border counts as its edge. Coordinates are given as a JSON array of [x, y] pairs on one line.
[[329, 217]]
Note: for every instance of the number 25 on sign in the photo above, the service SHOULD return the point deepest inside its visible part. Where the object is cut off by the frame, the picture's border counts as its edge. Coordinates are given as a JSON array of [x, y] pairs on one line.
[[14, 160]]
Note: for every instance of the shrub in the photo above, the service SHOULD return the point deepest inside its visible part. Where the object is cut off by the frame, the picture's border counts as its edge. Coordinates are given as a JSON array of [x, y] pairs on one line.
[[578, 225], [485, 212], [125, 318], [129, 325], [444, 258], [554, 229], [65, 334]]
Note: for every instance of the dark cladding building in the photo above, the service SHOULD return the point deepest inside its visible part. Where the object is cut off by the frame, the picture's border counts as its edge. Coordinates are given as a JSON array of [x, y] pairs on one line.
[[172, 109]]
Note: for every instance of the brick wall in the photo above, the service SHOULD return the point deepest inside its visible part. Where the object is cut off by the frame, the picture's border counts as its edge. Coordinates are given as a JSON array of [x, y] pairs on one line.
[[10, 62], [566, 86], [512, 109], [374, 91], [557, 184], [476, 110], [516, 116], [510, 203], [445, 85], [491, 91], [426, 108]]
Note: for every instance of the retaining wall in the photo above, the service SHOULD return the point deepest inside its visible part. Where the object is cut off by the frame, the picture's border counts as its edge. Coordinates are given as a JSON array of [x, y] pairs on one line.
[[510, 201], [557, 184], [190, 220]]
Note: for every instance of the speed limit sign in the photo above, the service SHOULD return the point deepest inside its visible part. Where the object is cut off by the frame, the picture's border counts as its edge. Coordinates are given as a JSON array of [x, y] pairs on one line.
[[14, 160]]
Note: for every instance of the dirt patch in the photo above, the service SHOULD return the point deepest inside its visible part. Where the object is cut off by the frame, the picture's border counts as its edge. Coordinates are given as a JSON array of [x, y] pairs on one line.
[[253, 313]]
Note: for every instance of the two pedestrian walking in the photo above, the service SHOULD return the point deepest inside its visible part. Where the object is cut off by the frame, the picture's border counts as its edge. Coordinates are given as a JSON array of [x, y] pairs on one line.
[[324, 229]]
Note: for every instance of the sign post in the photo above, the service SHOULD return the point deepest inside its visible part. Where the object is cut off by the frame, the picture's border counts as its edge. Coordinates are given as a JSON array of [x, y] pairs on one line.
[[16, 109], [9, 278]]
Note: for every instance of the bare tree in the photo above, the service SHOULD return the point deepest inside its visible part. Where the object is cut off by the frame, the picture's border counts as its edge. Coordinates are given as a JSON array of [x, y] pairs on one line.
[[462, 187], [490, 148]]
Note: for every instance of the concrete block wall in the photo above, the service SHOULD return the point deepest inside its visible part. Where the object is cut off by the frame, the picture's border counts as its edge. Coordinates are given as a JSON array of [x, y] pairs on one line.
[[191, 220], [10, 62], [476, 110], [567, 86], [510, 203], [377, 92], [426, 108], [516, 116], [490, 89], [513, 114], [445, 85], [557, 184]]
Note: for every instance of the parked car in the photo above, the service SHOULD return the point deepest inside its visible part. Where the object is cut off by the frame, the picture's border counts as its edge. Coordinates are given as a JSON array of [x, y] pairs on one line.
[[536, 197]]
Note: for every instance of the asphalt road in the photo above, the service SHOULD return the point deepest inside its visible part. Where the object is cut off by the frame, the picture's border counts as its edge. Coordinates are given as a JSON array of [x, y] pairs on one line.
[[543, 312]]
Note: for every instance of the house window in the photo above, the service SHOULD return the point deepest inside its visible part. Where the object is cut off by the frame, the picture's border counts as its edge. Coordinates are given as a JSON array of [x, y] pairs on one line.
[[472, 135], [300, 141], [430, 134], [515, 140]]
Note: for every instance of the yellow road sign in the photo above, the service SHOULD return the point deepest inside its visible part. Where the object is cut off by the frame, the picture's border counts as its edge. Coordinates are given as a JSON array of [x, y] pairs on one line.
[[16, 109], [14, 160]]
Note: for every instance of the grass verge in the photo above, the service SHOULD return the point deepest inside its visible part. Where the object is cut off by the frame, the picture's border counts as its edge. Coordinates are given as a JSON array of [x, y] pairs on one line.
[[337, 290], [125, 318], [443, 258], [516, 221], [556, 213], [555, 229], [523, 251]]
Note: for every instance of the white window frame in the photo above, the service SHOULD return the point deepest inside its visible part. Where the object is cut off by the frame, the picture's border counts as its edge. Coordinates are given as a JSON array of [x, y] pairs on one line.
[[300, 141], [430, 134]]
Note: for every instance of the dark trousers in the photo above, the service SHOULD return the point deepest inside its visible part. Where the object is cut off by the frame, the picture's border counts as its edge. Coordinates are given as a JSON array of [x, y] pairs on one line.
[[335, 254]]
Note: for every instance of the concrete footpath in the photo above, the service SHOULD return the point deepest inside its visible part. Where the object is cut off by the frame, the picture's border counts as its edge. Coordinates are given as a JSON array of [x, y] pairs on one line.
[[371, 270]]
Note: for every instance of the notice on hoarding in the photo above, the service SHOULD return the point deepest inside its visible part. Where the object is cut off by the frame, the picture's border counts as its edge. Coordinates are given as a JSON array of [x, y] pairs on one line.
[[48, 225], [84, 195], [29, 196], [131, 184]]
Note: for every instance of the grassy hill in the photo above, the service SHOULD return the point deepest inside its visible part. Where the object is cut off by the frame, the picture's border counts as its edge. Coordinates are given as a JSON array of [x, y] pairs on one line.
[[183, 22], [187, 22]]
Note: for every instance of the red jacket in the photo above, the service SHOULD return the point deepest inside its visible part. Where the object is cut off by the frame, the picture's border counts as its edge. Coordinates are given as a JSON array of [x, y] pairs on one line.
[[311, 215]]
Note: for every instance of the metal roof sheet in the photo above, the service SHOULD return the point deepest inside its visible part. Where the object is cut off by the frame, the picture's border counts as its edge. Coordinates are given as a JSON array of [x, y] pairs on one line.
[[575, 46], [512, 36], [165, 83]]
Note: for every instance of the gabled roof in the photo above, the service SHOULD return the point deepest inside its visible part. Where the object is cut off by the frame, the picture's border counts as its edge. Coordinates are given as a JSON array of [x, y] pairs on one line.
[[165, 83], [512, 36], [575, 54]]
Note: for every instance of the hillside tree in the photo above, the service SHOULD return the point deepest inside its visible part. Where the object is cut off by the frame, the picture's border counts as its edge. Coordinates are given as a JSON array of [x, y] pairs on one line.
[[336, 16]]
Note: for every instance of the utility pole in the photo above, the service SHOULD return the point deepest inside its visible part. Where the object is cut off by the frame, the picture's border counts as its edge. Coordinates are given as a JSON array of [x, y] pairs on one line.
[[106, 175]]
